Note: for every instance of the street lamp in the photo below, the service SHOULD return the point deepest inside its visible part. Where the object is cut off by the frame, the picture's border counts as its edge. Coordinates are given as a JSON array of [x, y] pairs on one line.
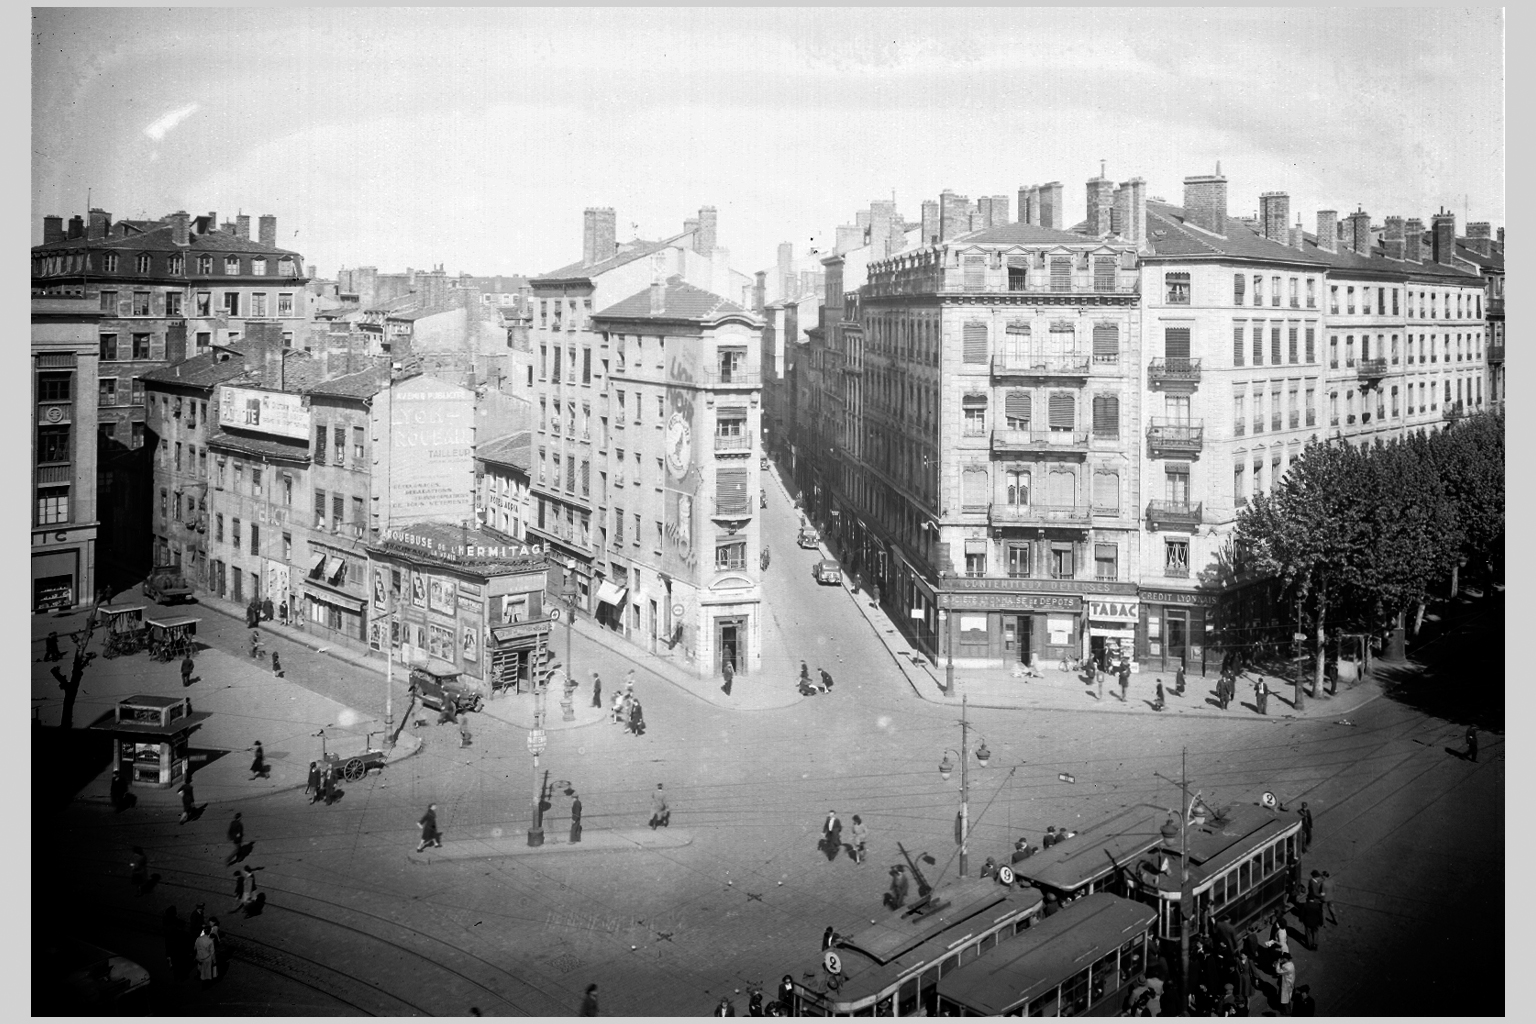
[[567, 705], [536, 742], [947, 768]]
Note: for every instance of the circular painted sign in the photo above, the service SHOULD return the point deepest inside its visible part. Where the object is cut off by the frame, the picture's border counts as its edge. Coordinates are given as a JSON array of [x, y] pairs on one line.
[[554, 615], [55, 414], [832, 962], [677, 611], [1268, 800], [1005, 875], [536, 742]]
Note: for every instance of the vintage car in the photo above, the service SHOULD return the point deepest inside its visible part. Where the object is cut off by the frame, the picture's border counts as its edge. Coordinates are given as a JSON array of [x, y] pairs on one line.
[[827, 571], [166, 585], [438, 685], [808, 537]]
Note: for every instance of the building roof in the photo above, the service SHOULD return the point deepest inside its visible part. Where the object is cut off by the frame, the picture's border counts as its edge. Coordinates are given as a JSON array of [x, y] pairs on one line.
[[680, 301], [291, 451], [412, 315], [201, 371], [628, 253], [1494, 261], [1021, 234], [363, 384], [512, 450], [1170, 234], [153, 236]]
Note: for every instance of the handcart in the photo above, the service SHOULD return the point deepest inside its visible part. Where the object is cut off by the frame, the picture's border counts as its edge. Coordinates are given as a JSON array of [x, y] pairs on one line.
[[125, 631], [170, 639]]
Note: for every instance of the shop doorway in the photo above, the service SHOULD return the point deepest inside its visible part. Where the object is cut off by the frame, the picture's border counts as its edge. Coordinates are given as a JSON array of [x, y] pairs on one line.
[[731, 643], [1178, 639], [1024, 625], [653, 625]]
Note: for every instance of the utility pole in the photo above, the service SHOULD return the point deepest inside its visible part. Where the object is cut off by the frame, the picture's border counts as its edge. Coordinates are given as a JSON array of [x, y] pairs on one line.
[[1184, 922], [536, 747], [1296, 638], [965, 789]]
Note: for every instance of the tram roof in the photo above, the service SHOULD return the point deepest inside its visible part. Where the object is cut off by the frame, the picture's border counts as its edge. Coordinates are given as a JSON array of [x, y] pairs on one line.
[[1094, 851], [1052, 951], [1215, 846]]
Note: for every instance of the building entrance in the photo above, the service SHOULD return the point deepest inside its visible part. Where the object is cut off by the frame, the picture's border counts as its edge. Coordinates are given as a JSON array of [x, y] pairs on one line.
[[730, 643]]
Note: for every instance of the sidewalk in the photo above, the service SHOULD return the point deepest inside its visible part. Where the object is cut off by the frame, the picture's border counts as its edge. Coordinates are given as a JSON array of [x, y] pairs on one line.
[[514, 843]]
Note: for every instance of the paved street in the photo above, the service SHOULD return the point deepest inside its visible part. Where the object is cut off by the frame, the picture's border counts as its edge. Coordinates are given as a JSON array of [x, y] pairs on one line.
[[739, 893]]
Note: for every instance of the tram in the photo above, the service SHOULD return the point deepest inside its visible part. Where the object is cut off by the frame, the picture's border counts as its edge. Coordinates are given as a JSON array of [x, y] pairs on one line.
[[1099, 858]]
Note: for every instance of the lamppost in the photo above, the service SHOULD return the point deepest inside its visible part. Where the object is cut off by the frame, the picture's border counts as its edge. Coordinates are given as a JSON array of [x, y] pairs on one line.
[[1181, 830], [536, 742], [947, 768], [567, 706], [1297, 637]]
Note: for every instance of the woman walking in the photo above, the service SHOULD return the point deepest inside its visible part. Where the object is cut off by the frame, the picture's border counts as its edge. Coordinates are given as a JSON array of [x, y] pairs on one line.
[[259, 767], [429, 832]]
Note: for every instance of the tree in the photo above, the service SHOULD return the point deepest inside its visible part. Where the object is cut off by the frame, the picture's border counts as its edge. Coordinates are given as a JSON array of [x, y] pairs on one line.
[[82, 658], [1470, 459]]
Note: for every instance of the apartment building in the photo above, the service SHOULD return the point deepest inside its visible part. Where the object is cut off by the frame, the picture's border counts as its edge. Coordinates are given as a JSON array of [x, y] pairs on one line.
[[503, 496], [1482, 251]]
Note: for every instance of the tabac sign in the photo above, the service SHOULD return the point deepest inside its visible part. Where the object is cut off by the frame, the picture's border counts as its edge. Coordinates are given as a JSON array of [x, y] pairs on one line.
[[1112, 611]]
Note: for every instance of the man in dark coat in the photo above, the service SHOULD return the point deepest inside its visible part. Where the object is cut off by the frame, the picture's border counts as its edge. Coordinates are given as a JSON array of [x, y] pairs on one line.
[[661, 813], [120, 795], [1161, 699], [729, 672], [575, 818], [236, 836], [597, 691], [429, 832], [259, 767], [1125, 681], [188, 805], [51, 650], [1178, 680], [826, 679], [1261, 695], [266, 608], [832, 833], [1471, 743], [1306, 827], [312, 785], [186, 670]]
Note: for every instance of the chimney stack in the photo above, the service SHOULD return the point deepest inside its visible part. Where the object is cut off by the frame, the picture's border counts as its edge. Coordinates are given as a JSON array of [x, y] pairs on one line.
[[309, 271], [954, 216], [1205, 202], [1136, 229], [1413, 239], [1029, 205], [1501, 238], [267, 225], [100, 223], [181, 224], [213, 221], [1327, 230], [53, 228], [1100, 205], [1298, 237], [1392, 237], [1274, 215], [1444, 238], [1480, 237], [705, 240], [930, 222], [984, 211], [243, 226], [658, 290], [759, 291], [589, 236], [76, 227], [1000, 213], [849, 237], [1359, 232], [1052, 209], [691, 227]]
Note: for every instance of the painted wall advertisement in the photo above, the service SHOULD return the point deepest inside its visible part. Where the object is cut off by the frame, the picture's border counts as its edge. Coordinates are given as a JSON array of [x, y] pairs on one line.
[[431, 447], [680, 553], [441, 596], [269, 412]]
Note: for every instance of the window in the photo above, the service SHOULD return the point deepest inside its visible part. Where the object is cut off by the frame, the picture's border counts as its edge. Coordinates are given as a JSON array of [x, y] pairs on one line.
[[52, 505], [173, 303], [1394, 348], [1018, 560], [1311, 407], [1258, 289], [1295, 347], [974, 411], [1274, 345], [1176, 484], [976, 561], [1239, 413], [1106, 492], [1311, 293], [358, 518], [1178, 288], [110, 263], [287, 489], [1237, 343], [1063, 412], [1061, 274], [1258, 409], [218, 527], [287, 547], [1016, 491], [52, 444], [730, 555], [319, 509], [1333, 352], [1349, 350], [234, 529], [1016, 409], [1274, 291], [107, 391], [259, 304], [1349, 300], [1238, 281], [1176, 347], [259, 267], [1018, 273], [141, 346], [231, 264], [320, 445], [974, 343], [1311, 346], [255, 539], [1295, 293], [975, 272], [1238, 498], [340, 436], [177, 461], [1258, 343], [1106, 417], [1395, 411], [1294, 420], [1333, 408], [232, 303], [108, 348], [1333, 299], [1175, 558], [338, 510], [1063, 561], [141, 303], [1274, 408], [141, 264], [1106, 344]]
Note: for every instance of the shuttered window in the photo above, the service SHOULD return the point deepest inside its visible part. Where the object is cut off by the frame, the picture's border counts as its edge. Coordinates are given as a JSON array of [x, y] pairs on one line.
[[586, 478], [1106, 416], [975, 272], [570, 473], [974, 349], [1274, 345], [1106, 491], [1104, 273], [1237, 342], [974, 488], [731, 491], [1294, 338], [1176, 343], [1016, 408], [1062, 412], [1106, 343], [1061, 274]]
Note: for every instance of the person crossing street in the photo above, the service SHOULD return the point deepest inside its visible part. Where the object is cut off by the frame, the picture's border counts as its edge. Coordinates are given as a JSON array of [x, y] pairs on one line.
[[236, 835], [429, 832]]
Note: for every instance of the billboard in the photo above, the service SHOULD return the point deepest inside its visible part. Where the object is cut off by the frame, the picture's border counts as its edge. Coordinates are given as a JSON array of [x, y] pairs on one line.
[[431, 452], [680, 555], [268, 412]]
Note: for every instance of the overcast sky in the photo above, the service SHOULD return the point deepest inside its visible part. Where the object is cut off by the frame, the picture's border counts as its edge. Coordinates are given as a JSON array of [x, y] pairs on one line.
[[475, 138]]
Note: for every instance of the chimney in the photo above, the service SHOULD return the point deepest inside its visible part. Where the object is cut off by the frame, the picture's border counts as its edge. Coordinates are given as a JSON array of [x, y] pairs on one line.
[[589, 236], [181, 224], [606, 235], [984, 211], [1413, 239], [973, 216], [1298, 238], [268, 228], [1501, 238], [1274, 215], [309, 271], [849, 237], [76, 227], [704, 241], [953, 217], [1359, 232], [759, 291], [882, 219], [1052, 209], [1100, 205], [1205, 202], [100, 223], [1480, 237], [930, 222], [53, 229], [1444, 238], [1138, 226], [658, 295], [1000, 213], [1327, 230], [1120, 210], [228, 227], [243, 226], [1029, 204]]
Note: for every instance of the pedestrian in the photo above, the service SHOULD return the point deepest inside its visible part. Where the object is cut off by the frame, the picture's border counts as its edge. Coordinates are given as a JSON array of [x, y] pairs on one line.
[[51, 650], [1471, 743], [1302, 1003], [1178, 680], [255, 643], [860, 833], [138, 871], [259, 769], [589, 1002], [312, 784], [188, 808], [328, 784], [1279, 935], [1285, 979], [1261, 696], [725, 1008], [618, 708], [729, 672], [266, 608], [661, 814], [597, 691], [826, 680], [786, 995], [464, 736], [1306, 827], [1160, 698], [1050, 837], [1022, 850], [207, 963], [236, 835], [429, 832], [636, 718], [277, 666], [1326, 889], [989, 869], [805, 676], [575, 818], [629, 681], [121, 798], [186, 670], [831, 834], [896, 896], [1315, 887], [1245, 980], [239, 891], [1125, 681]]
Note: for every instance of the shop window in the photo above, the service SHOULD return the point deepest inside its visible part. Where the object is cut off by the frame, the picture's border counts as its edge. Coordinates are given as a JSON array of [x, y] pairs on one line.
[[973, 630]]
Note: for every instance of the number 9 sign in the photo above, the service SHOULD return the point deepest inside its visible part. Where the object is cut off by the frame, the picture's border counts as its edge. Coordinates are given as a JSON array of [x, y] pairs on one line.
[[832, 962], [1005, 875]]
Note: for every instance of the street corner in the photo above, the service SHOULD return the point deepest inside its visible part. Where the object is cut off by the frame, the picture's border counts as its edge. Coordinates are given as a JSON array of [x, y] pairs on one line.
[[517, 710], [513, 842]]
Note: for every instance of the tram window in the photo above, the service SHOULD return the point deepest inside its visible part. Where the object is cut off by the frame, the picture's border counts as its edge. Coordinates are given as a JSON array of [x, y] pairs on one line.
[[948, 964], [1045, 1006], [1269, 861], [1290, 848], [1256, 868], [988, 941], [1103, 975], [1131, 958], [1232, 885], [906, 998], [1243, 880], [1074, 995], [928, 991]]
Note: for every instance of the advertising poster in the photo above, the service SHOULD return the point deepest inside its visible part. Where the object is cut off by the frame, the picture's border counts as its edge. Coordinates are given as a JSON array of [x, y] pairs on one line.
[[432, 448], [681, 495], [378, 587], [440, 641], [441, 596], [269, 412], [469, 640], [375, 635], [418, 590]]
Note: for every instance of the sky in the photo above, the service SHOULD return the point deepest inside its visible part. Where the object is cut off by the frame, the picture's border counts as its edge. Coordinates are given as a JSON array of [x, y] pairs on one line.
[[475, 138]]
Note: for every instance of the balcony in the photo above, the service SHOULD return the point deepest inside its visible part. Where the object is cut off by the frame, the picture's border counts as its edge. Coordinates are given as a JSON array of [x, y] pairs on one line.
[[1168, 437], [1037, 366], [1040, 441], [1372, 369], [1496, 352], [1163, 372], [1454, 411], [1174, 515], [732, 443], [725, 377], [1078, 517], [54, 474]]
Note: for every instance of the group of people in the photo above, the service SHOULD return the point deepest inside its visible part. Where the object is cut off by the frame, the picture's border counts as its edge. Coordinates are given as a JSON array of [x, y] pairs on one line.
[[198, 941], [321, 784], [807, 687], [832, 838], [626, 707]]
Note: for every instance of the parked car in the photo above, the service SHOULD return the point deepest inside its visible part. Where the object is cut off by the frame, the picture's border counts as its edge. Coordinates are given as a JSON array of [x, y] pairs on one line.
[[166, 585], [827, 571], [438, 685], [808, 537]]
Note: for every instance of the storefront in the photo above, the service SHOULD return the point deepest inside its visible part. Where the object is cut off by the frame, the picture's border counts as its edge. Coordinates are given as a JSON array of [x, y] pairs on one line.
[[1001, 622], [149, 738], [472, 600], [1112, 629], [1172, 630], [56, 577]]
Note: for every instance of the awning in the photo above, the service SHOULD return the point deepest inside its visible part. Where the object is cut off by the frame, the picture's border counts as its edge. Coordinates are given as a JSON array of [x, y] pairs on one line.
[[328, 596], [611, 593], [1112, 634], [333, 566], [319, 561]]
